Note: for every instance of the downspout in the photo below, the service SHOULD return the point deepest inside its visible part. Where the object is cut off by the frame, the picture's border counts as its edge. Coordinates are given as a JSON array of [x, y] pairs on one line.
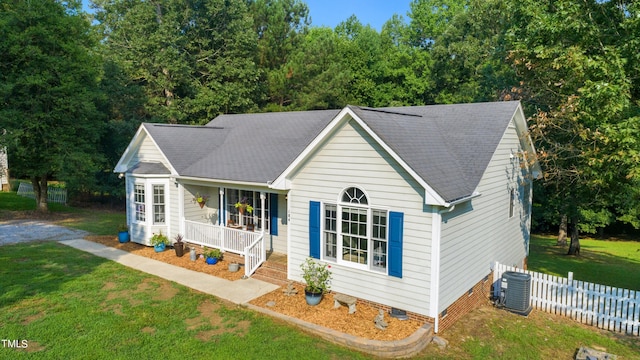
[[436, 237], [435, 263]]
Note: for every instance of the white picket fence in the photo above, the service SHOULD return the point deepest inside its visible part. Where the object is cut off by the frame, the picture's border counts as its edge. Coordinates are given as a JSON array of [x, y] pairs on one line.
[[54, 194], [605, 307]]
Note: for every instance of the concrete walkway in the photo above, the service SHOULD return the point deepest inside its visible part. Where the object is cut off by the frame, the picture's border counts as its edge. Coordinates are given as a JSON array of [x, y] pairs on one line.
[[238, 292]]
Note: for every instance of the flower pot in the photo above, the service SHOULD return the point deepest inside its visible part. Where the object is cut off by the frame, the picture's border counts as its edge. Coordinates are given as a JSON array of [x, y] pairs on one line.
[[201, 203], [234, 267], [179, 248], [312, 298], [159, 247], [192, 254], [212, 261], [123, 236]]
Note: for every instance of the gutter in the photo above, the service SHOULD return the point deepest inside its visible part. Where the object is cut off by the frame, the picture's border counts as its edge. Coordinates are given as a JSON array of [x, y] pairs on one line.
[[233, 182]]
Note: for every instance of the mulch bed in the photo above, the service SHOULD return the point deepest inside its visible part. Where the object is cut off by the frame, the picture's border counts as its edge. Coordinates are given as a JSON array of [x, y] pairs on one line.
[[221, 269], [360, 324]]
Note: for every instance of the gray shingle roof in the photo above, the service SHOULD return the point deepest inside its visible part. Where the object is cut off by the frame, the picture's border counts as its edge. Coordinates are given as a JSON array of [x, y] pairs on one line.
[[243, 147], [149, 168], [448, 146]]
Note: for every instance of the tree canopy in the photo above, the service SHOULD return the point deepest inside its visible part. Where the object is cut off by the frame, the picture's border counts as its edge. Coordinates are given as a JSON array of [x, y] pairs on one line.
[[72, 99], [48, 92]]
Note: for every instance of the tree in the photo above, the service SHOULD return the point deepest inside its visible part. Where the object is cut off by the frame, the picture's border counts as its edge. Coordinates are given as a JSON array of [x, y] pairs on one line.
[[316, 77], [48, 90], [194, 59], [585, 121], [280, 26]]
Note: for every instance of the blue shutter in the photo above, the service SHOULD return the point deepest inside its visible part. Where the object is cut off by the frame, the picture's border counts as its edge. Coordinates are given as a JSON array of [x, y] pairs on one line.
[[273, 213], [396, 220], [314, 229]]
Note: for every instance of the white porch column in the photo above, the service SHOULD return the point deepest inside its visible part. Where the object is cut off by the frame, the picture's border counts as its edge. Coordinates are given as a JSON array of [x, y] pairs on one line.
[[221, 216], [263, 196]]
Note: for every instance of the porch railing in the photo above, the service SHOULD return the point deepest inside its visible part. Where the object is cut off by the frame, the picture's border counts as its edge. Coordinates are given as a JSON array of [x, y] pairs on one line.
[[254, 255], [249, 244]]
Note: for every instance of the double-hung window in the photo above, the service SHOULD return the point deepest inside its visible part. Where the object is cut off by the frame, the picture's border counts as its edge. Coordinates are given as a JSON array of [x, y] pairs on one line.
[[139, 202], [158, 204], [354, 233], [252, 198]]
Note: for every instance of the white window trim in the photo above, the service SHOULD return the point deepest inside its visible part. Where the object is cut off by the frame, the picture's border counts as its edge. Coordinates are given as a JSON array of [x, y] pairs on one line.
[[149, 213], [229, 204], [512, 203], [339, 204]]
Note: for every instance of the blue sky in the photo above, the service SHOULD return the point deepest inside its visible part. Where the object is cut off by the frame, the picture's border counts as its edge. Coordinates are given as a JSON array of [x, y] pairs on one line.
[[373, 12], [332, 12]]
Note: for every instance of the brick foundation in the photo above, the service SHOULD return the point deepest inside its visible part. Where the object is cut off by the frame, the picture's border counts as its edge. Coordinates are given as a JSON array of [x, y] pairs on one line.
[[480, 294]]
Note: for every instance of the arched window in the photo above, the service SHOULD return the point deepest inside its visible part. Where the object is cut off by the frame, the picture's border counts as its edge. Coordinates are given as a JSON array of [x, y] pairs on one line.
[[354, 233], [354, 195]]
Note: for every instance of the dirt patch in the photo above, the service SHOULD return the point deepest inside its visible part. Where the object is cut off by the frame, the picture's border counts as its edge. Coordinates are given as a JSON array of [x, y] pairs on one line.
[[29, 319], [209, 317], [33, 346], [165, 292], [148, 330]]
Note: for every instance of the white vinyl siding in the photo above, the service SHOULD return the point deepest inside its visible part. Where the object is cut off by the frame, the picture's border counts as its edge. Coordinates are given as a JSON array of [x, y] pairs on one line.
[[192, 210], [147, 152], [352, 159], [477, 234]]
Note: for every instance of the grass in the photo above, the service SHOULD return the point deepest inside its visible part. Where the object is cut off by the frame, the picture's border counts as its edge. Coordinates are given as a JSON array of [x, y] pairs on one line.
[[608, 262], [96, 222], [70, 304]]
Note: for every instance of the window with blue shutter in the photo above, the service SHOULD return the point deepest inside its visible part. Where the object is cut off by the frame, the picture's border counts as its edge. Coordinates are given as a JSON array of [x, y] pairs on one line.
[[314, 229], [396, 223], [273, 213]]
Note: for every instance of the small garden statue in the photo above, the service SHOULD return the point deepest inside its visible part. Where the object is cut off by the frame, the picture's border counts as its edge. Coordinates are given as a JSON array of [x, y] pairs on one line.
[[290, 290], [379, 321]]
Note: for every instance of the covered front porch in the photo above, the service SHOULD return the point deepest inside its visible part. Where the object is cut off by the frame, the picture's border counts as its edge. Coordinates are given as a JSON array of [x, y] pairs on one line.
[[238, 220], [248, 244]]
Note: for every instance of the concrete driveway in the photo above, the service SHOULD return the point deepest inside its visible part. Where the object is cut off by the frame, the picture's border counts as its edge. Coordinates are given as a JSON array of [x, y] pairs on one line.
[[19, 231]]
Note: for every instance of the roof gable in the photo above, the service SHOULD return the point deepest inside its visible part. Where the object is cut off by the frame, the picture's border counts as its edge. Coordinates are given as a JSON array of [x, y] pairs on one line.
[[446, 148], [449, 146], [253, 148]]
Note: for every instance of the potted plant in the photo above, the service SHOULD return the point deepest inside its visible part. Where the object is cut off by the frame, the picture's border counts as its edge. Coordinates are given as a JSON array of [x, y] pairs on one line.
[[317, 278], [234, 266], [178, 245], [243, 205], [159, 241], [201, 199], [123, 233], [212, 256]]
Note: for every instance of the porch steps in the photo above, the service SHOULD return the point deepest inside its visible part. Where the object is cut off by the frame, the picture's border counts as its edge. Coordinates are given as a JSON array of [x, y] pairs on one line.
[[274, 270]]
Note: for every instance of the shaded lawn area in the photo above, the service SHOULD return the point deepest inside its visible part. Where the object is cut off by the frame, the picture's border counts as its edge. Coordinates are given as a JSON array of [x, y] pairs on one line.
[[96, 221], [609, 262], [68, 304]]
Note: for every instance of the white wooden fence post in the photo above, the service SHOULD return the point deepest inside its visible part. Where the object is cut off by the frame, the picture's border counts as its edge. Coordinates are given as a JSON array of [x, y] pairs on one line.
[[602, 306]]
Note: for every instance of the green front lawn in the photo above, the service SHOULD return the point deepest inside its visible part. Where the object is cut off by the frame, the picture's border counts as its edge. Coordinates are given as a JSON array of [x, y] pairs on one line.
[[68, 304]]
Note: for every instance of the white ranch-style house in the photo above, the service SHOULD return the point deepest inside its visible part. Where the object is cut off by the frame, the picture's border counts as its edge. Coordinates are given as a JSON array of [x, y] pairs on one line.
[[410, 206]]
